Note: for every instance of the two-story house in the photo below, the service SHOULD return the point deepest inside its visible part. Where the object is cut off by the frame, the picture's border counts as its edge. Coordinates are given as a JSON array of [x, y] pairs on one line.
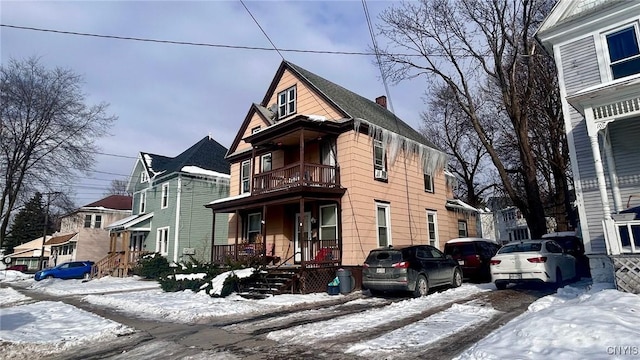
[[322, 174], [83, 234], [169, 217], [596, 46]]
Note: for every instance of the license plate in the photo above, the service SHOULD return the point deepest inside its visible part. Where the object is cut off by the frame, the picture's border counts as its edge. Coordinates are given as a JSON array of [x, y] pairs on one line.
[[380, 270], [461, 262], [515, 276]]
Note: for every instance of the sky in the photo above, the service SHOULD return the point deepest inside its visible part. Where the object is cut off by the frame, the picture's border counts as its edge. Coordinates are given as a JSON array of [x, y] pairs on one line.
[[554, 326], [168, 97]]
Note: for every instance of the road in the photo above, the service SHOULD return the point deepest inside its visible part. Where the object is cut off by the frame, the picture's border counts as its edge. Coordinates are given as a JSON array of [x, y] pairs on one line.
[[244, 337]]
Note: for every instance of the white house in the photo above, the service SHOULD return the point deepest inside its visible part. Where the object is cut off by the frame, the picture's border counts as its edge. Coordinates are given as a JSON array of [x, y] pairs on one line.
[[596, 47]]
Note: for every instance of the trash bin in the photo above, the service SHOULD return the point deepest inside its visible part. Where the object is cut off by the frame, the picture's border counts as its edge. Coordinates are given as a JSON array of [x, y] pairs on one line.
[[346, 283]]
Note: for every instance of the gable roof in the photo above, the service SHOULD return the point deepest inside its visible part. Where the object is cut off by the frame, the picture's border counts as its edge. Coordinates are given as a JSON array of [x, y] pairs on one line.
[[115, 202], [265, 115], [59, 240], [350, 104], [207, 154]]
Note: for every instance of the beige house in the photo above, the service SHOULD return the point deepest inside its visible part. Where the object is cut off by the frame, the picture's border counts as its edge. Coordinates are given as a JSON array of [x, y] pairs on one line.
[[321, 175], [30, 252], [83, 233]]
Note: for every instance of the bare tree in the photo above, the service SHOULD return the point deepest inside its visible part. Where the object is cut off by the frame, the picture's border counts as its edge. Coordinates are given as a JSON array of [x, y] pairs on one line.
[[47, 130], [117, 187], [473, 47], [449, 128]]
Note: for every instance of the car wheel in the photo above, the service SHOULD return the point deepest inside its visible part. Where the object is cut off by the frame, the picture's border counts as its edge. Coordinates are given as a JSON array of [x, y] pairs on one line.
[[375, 292], [49, 277], [422, 287], [558, 278], [501, 285], [86, 276], [457, 278]]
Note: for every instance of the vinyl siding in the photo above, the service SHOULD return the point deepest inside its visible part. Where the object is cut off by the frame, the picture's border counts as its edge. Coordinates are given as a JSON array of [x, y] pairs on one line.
[[624, 136], [580, 65]]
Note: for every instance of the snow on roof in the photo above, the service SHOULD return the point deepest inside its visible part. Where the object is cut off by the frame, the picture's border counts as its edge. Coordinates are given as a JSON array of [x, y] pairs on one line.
[[218, 201], [457, 203], [469, 239], [129, 221], [318, 118], [200, 171]]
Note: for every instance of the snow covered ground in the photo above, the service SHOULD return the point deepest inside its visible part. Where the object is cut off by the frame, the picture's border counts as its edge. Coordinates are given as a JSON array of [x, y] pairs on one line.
[[579, 321]]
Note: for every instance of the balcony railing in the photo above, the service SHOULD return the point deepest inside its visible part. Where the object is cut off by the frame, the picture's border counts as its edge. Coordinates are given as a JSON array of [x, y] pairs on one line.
[[324, 176]]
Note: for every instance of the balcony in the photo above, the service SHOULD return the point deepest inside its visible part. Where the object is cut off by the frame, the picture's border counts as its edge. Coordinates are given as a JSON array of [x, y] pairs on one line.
[[315, 175]]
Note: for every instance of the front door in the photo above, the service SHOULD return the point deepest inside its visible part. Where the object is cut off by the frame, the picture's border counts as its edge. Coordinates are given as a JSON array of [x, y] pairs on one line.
[[306, 236]]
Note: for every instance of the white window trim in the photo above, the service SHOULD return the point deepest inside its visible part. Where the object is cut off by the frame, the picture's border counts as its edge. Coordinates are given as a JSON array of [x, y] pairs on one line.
[[335, 214], [242, 177], [164, 200], [162, 243], [95, 221], [383, 167], [84, 221], [255, 130], [431, 189], [262, 158], [143, 176], [288, 100], [387, 214], [605, 45], [466, 228], [433, 242], [143, 201]]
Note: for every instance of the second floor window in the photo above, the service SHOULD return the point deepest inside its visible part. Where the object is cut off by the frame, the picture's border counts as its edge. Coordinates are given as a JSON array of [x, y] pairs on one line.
[[245, 176], [462, 228], [98, 222], [379, 161], [143, 201], [165, 196], [266, 162], [87, 221], [287, 102], [428, 183], [624, 52]]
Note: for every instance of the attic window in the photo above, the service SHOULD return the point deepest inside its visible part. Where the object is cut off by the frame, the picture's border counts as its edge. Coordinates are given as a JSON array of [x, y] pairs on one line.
[[624, 52], [255, 130], [143, 176], [287, 102]]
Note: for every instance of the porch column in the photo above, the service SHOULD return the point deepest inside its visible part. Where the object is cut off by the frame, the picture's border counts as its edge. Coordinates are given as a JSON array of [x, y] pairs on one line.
[[263, 230], [213, 236], [301, 177], [301, 230], [339, 235], [125, 248], [253, 168], [608, 225], [235, 250], [112, 241], [613, 175]]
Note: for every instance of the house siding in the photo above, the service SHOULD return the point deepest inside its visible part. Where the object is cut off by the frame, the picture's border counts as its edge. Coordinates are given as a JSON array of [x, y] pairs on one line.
[[624, 136]]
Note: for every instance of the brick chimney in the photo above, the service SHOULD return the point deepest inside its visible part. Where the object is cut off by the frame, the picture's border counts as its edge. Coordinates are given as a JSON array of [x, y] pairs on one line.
[[382, 101]]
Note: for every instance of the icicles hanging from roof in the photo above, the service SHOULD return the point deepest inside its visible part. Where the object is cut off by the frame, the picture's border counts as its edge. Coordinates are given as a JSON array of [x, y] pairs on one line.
[[432, 160]]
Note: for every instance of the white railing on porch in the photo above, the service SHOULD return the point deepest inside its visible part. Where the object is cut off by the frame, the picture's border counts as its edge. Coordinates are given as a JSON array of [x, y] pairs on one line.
[[628, 236]]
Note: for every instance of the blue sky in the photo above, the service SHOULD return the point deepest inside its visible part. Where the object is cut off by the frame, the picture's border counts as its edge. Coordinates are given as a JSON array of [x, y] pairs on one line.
[[168, 97]]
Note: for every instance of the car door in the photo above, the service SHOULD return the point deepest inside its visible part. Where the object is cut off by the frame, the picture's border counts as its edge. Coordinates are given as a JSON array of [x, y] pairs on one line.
[[75, 270], [428, 264], [445, 267]]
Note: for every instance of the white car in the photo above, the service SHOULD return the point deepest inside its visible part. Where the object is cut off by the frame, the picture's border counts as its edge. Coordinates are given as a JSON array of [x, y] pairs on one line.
[[532, 261]]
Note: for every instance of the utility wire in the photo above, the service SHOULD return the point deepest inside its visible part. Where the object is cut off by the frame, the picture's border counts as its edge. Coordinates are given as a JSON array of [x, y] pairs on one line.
[[261, 29]]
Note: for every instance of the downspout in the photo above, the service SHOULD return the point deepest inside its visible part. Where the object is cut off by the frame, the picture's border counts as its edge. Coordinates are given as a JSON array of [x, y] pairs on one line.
[[177, 229]]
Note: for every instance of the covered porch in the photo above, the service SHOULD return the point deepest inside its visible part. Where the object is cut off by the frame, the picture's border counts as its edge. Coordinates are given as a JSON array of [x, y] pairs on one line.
[[126, 246]]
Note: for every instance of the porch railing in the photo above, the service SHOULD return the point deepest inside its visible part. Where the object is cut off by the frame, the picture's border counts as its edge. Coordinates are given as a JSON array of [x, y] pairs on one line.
[[314, 253], [628, 236], [320, 253], [118, 263], [224, 253], [289, 176]]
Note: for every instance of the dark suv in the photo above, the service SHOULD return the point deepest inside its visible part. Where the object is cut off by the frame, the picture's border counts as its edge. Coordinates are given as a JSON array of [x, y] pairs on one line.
[[473, 255], [414, 268]]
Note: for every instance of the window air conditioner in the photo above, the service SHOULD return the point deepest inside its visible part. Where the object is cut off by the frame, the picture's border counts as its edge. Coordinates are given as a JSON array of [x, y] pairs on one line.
[[381, 174]]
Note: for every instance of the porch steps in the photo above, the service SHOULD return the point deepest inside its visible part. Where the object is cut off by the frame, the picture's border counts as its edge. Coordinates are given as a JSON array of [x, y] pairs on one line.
[[272, 282]]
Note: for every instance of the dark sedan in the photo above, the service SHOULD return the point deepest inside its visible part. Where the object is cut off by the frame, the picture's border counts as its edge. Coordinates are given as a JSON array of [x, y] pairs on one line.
[[68, 270], [409, 268]]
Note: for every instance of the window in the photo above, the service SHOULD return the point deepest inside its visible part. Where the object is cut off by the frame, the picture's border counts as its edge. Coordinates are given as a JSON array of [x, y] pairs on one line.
[[87, 221], [165, 196], [428, 183], [98, 222], [143, 201], [144, 177], [383, 219], [265, 162], [287, 102], [162, 241], [432, 228], [462, 228], [245, 171], [253, 227], [329, 222], [624, 52], [255, 130], [379, 160]]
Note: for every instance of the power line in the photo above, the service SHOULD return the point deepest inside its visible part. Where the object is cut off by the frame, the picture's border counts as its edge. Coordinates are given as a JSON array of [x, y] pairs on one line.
[[114, 155], [261, 29]]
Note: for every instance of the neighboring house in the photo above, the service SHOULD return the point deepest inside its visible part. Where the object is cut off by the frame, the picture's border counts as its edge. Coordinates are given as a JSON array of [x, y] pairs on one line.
[[169, 216], [320, 174], [83, 234], [597, 52], [29, 254]]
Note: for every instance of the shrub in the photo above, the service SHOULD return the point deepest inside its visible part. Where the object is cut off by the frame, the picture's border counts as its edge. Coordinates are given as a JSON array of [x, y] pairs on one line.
[[153, 266]]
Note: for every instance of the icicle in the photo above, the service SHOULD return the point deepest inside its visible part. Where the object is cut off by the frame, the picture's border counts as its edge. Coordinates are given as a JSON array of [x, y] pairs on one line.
[[430, 159]]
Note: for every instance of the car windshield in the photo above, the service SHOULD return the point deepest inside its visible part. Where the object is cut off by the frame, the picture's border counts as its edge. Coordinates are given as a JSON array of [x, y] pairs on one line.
[[376, 256], [521, 247]]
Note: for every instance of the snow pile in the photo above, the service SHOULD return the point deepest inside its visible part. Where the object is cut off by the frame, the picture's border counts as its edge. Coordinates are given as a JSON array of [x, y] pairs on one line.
[[196, 276], [12, 275], [217, 282], [80, 287], [575, 323], [11, 296]]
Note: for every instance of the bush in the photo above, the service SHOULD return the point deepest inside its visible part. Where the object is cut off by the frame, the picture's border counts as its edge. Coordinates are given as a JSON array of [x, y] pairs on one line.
[[153, 266]]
